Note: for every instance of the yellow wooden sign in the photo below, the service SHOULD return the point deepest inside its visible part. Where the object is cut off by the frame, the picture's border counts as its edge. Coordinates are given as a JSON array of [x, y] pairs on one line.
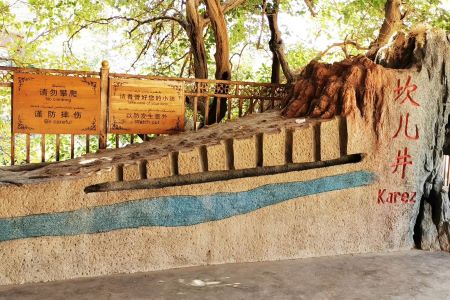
[[146, 106], [55, 104]]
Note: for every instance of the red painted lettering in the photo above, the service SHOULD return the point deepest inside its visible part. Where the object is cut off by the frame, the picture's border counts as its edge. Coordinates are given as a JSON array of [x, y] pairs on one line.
[[405, 197], [408, 89], [409, 137], [395, 197], [402, 160], [389, 200], [380, 196], [413, 198]]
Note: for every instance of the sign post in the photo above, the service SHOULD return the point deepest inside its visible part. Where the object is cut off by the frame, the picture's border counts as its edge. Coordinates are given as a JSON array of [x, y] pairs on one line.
[[104, 77], [145, 107], [55, 104]]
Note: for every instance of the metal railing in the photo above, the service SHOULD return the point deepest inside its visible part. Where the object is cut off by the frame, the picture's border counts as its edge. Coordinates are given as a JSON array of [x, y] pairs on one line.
[[241, 98]]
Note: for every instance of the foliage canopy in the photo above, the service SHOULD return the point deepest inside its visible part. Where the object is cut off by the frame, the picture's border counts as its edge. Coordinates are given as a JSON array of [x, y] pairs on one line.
[[152, 36]]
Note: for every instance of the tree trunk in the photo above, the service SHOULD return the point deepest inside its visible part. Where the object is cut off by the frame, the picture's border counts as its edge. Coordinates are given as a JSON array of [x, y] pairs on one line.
[[194, 31], [275, 76], [222, 55], [277, 47], [392, 21], [272, 20]]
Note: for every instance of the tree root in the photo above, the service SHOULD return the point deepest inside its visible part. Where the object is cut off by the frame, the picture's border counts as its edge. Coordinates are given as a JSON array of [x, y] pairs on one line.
[[354, 85]]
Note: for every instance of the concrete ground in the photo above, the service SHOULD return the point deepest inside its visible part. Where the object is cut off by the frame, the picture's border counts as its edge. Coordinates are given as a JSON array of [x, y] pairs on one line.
[[398, 275]]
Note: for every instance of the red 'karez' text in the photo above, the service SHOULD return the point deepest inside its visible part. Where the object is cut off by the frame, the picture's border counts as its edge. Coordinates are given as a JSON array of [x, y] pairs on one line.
[[395, 197]]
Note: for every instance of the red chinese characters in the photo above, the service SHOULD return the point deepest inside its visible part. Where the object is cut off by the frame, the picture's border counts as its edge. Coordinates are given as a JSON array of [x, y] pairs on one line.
[[403, 96], [409, 88], [402, 161], [409, 137]]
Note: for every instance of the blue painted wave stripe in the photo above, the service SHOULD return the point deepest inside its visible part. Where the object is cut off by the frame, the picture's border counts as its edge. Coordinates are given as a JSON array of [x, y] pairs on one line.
[[172, 211]]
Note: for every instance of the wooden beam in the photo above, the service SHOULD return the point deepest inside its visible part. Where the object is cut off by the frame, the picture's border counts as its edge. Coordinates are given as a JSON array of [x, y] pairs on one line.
[[104, 86], [211, 176]]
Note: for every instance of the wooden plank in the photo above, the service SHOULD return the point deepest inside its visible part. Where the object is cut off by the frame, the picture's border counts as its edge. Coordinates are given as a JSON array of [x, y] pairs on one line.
[[256, 97], [13, 149], [206, 109], [218, 110], [195, 112], [240, 101], [196, 104], [121, 75], [55, 104], [58, 147], [146, 106], [43, 148], [104, 84], [72, 146], [45, 71], [88, 142], [229, 107], [27, 159], [211, 81], [13, 137], [216, 176]]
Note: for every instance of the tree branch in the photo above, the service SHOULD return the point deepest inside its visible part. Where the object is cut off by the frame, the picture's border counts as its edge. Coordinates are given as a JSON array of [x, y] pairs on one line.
[[188, 58], [240, 56], [276, 46], [226, 7], [231, 4], [310, 5], [146, 46], [176, 60], [343, 44], [180, 21], [263, 12]]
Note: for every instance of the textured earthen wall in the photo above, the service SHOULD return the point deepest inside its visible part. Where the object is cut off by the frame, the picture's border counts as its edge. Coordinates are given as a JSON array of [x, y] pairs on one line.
[[249, 229], [53, 230]]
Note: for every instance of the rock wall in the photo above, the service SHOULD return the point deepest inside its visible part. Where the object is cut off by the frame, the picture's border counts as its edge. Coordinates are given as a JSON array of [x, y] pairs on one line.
[[288, 190], [429, 52], [417, 70]]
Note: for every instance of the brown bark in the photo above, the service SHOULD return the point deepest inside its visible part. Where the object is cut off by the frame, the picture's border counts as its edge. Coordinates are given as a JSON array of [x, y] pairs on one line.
[[310, 5], [219, 27], [272, 17], [392, 21], [195, 25], [352, 86], [194, 30], [276, 46], [222, 55]]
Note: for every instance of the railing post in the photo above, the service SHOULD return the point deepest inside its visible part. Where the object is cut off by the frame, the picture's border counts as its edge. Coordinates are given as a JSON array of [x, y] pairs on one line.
[[104, 86], [197, 91], [13, 137]]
